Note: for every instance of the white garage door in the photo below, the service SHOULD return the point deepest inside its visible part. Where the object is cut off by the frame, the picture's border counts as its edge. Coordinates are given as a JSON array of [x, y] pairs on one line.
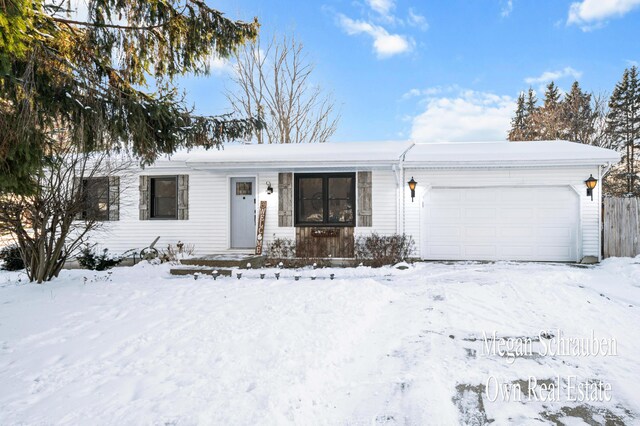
[[500, 223]]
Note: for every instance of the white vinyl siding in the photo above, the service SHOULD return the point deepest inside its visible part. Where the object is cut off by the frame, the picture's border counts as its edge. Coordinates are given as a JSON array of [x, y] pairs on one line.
[[207, 227], [271, 228], [384, 202]]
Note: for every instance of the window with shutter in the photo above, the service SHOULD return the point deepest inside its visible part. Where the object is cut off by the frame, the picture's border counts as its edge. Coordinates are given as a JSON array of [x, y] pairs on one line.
[[164, 197]]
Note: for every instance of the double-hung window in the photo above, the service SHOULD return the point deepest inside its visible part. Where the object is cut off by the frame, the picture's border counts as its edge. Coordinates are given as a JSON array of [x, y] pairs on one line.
[[164, 197]]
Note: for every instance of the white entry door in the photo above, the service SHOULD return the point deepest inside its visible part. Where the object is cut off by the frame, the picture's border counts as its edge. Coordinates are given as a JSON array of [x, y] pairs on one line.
[[501, 223], [243, 213]]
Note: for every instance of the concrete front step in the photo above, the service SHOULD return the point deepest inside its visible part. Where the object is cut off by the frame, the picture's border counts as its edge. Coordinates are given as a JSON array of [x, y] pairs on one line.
[[225, 261]]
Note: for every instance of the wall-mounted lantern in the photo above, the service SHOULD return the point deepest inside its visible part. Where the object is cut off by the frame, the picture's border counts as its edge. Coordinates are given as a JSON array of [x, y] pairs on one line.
[[269, 188], [591, 183], [412, 186]]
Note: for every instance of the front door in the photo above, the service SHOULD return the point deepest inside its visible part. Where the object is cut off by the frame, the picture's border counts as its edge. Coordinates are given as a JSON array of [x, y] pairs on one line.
[[243, 213]]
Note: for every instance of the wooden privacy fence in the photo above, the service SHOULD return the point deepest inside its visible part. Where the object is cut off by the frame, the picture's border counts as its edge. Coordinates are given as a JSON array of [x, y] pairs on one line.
[[621, 227]]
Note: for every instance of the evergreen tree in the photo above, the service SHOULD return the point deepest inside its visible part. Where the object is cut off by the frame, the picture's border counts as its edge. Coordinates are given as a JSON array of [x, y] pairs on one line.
[[551, 96], [107, 82], [547, 120], [530, 132], [623, 121], [532, 102], [578, 115], [519, 121]]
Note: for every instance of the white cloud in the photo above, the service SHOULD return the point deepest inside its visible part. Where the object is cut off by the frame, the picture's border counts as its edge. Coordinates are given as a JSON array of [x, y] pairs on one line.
[[383, 7], [218, 65], [507, 8], [590, 14], [548, 76], [466, 116], [416, 20], [429, 91], [384, 43]]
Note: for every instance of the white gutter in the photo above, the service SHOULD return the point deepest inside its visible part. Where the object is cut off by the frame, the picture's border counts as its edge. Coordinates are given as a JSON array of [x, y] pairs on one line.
[[503, 164]]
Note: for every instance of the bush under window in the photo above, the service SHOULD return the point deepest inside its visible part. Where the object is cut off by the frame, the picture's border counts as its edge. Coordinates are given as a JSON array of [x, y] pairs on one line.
[[381, 250]]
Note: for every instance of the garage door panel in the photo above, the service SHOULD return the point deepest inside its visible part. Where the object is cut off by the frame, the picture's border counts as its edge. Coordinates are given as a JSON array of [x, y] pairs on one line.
[[555, 214], [515, 215], [516, 252], [450, 196], [554, 252], [515, 196], [480, 231], [551, 233], [515, 232], [441, 251], [445, 213], [479, 213], [480, 197], [444, 232], [501, 223], [480, 252]]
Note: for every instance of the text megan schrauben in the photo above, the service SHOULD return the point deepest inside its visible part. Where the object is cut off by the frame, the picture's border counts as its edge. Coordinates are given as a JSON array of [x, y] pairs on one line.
[[552, 344]]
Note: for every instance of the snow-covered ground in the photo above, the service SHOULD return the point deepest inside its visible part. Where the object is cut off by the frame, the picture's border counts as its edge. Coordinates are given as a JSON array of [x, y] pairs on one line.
[[386, 346]]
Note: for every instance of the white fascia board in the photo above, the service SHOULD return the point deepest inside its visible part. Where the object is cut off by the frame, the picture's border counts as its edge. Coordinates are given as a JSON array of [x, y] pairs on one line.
[[268, 165], [504, 164]]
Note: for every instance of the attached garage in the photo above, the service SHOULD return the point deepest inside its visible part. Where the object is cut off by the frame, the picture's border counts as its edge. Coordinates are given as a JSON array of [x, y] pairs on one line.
[[504, 201], [501, 223]]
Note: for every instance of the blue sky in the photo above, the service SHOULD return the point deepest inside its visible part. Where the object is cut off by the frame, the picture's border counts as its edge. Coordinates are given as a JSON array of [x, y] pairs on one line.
[[439, 70]]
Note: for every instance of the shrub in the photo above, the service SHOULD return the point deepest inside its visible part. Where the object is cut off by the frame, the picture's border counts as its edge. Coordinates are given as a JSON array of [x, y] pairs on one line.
[[174, 253], [281, 248], [89, 258], [11, 257], [384, 249]]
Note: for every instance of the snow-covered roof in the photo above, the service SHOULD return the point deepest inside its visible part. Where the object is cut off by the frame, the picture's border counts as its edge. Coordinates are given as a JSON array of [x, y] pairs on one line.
[[508, 153], [276, 155], [349, 154]]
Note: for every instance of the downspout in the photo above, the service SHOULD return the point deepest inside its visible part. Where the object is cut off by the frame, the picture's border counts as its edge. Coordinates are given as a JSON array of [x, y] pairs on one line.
[[602, 172], [400, 182], [396, 173]]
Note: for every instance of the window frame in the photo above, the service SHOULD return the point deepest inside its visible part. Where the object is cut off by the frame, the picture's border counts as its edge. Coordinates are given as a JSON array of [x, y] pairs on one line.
[[152, 198], [325, 199], [84, 214]]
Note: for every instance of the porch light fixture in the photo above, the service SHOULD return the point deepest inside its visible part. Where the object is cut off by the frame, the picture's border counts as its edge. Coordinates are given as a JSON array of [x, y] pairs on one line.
[[591, 183], [269, 188], [412, 186]]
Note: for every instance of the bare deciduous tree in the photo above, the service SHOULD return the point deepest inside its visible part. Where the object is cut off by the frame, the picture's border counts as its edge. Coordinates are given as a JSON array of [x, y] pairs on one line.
[[274, 83], [50, 224]]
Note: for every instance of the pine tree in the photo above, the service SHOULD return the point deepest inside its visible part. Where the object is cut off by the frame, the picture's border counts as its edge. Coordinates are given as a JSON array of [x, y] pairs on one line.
[[578, 116], [547, 120], [551, 96], [530, 132], [107, 82], [623, 123], [519, 121]]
